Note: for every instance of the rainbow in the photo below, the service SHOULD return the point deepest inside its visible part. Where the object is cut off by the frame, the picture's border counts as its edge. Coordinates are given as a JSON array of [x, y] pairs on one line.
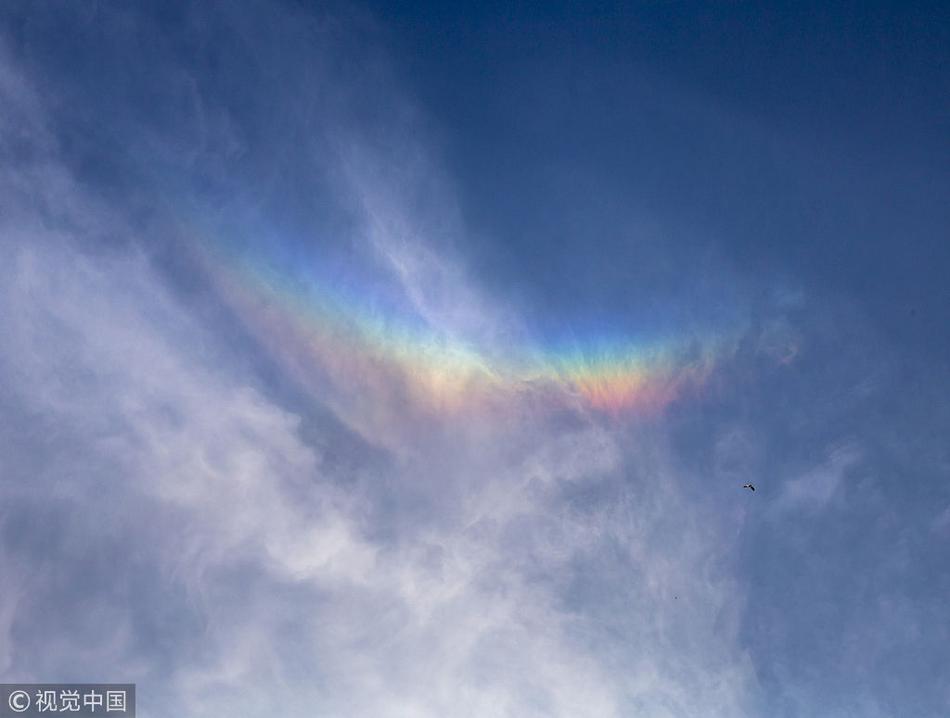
[[339, 340]]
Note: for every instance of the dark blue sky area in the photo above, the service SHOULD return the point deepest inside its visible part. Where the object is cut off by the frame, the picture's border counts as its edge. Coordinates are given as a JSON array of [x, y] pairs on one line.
[[808, 140]]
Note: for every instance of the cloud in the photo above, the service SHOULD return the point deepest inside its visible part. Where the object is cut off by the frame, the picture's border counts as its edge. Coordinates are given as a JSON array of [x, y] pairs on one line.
[[175, 522], [815, 489], [213, 490]]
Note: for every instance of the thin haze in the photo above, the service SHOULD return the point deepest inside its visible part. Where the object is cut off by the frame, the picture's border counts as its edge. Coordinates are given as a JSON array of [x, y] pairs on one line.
[[396, 361]]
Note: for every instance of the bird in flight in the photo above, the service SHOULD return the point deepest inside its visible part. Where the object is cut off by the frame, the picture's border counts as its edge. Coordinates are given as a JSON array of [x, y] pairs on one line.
[[750, 487]]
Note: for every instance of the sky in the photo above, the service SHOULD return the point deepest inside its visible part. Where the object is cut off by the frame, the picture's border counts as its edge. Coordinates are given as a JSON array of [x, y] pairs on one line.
[[378, 360]]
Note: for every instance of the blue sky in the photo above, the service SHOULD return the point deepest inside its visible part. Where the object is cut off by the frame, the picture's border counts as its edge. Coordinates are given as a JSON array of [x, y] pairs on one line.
[[406, 360]]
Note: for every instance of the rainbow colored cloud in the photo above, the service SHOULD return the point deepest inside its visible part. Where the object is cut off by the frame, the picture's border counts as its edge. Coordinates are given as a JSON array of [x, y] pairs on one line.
[[329, 339]]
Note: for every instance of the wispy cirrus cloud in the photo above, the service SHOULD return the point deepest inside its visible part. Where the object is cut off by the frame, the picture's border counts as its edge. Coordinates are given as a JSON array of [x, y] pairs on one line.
[[195, 534]]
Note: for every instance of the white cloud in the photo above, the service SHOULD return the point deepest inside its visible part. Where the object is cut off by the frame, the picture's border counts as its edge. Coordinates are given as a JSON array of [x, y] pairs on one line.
[[535, 581], [816, 488]]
